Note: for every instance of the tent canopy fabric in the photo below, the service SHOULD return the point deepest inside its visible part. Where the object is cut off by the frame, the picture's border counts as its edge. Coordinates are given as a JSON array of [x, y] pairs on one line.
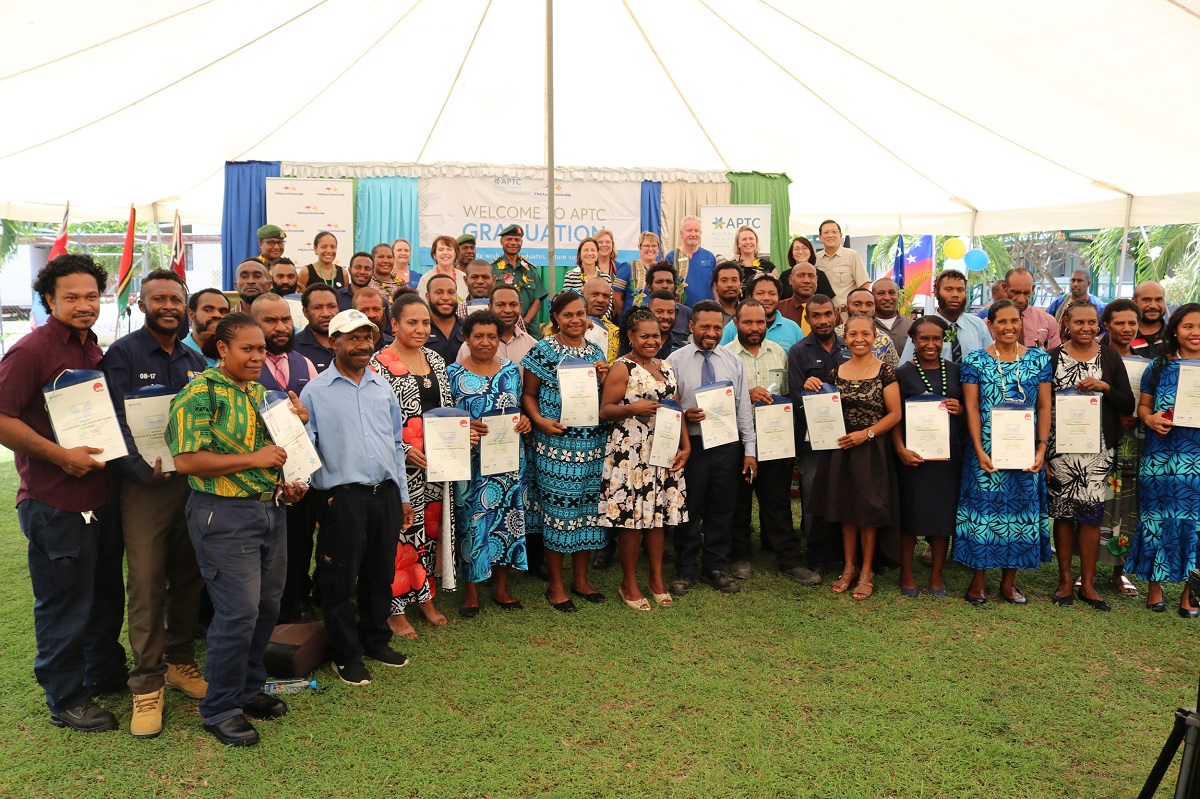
[[925, 116]]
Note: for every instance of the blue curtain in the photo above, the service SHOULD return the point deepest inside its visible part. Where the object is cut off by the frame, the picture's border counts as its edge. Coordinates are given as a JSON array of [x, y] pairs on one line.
[[652, 207], [386, 210], [244, 213]]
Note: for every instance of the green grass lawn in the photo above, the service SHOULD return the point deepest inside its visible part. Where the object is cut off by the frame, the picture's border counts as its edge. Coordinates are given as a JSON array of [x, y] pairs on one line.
[[779, 691]]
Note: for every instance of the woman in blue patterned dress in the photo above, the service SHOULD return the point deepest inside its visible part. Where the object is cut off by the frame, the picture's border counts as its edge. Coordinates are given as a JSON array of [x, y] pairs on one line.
[[490, 508], [1164, 549], [568, 460], [1003, 519]]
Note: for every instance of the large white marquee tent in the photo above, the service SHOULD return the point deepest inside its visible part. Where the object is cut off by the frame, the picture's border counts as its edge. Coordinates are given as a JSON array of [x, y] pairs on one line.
[[924, 115]]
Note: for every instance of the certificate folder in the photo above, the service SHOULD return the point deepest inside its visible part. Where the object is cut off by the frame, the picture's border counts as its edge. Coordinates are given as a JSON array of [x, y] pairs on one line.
[[82, 415], [579, 393], [447, 445], [500, 449], [774, 429], [146, 413], [927, 426], [823, 413]]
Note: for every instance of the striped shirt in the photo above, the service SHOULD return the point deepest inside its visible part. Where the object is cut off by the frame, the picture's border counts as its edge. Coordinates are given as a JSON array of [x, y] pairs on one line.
[[212, 414], [768, 369]]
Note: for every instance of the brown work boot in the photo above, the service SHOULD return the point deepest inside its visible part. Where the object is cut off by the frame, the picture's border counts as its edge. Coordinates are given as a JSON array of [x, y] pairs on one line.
[[187, 678], [147, 715]]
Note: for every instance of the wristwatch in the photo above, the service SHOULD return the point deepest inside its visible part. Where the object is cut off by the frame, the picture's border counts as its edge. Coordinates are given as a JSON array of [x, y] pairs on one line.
[[870, 433]]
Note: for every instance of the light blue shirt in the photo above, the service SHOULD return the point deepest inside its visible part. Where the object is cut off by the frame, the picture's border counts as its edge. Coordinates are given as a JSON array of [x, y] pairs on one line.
[[782, 331], [191, 342], [687, 362], [358, 430], [973, 334]]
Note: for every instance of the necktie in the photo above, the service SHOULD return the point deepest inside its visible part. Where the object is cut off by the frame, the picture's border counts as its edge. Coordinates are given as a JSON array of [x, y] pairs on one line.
[[956, 345], [280, 377], [707, 375]]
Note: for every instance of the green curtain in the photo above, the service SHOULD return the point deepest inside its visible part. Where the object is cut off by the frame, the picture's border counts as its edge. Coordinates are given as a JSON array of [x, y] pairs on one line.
[[757, 188]]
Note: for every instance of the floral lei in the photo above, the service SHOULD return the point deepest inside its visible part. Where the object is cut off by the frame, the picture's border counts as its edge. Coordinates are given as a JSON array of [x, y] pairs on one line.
[[514, 276]]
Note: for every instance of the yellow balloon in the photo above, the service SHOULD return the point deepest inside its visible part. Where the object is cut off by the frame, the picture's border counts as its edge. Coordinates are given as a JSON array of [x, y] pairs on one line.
[[954, 249]]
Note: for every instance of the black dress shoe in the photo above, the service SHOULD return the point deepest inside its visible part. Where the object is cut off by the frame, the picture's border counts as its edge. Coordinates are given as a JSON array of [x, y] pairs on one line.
[[566, 606], [1097, 604], [1017, 599], [1188, 614], [681, 585], [1156, 607], [265, 706], [977, 601], [513, 605], [88, 717], [720, 581], [596, 598], [234, 731], [1063, 601], [469, 613]]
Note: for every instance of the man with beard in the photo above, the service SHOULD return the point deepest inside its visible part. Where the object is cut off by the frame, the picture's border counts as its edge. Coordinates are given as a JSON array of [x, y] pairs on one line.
[[764, 289], [284, 277], [374, 308], [887, 312], [64, 507], [319, 304], [288, 370], [445, 329], [803, 282], [817, 355], [694, 264], [727, 289], [1040, 328], [163, 580], [270, 245], [205, 309], [249, 282], [967, 331], [466, 251], [765, 365], [1152, 316], [514, 270], [360, 270], [597, 296], [515, 342], [355, 423], [862, 302], [480, 282], [1081, 281], [710, 472]]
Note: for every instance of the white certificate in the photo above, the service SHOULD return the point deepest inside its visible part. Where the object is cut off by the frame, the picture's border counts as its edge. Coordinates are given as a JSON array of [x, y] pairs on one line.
[[1077, 423], [500, 449], [1013, 438], [147, 420], [447, 445], [927, 428], [774, 429], [288, 431], [82, 415], [476, 305], [719, 425], [579, 392], [1135, 367], [823, 413], [1187, 396], [668, 426]]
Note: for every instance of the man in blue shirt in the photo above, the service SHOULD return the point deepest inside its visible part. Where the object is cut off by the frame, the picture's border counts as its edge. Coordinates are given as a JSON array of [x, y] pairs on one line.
[[693, 263], [319, 303], [967, 331], [710, 472], [1081, 281], [205, 309], [783, 331], [816, 356], [163, 580], [354, 421]]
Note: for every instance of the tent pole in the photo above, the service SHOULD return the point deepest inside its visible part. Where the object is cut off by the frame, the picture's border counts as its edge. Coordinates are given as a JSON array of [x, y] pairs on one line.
[[1125, 239], [550, 220]]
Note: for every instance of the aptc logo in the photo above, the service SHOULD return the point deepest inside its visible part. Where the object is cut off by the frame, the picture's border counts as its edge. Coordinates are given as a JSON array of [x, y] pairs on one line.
[[97, 387], [718, 223], [512, 182], [463, 423]]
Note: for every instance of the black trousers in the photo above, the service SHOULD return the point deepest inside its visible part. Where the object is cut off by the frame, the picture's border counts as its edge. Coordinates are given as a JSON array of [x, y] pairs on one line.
[[301, 523], [356, 562], [712, 476], [772, 486]]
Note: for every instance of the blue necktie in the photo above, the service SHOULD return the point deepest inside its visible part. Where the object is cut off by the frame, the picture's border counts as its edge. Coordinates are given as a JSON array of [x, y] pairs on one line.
[[707, 375]]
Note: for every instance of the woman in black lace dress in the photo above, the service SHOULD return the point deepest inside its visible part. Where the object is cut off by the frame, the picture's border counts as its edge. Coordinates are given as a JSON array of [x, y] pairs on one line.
[[856, 483]]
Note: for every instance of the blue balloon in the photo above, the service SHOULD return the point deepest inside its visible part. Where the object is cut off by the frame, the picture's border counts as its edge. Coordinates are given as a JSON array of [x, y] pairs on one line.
[[976, 260]]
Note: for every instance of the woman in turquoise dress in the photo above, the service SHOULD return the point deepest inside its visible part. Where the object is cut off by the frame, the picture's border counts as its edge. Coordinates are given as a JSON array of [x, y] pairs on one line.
[[490, 508], [568, 461], [1164, 548], [1003, 521]]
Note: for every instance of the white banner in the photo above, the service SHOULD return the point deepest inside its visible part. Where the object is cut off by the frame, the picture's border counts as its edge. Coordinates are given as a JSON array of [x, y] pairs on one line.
[[719, 226], [304, 207], [485, 206]]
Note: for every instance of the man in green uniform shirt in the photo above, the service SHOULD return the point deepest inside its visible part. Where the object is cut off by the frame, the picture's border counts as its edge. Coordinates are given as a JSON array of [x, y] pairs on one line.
[[514, 270]]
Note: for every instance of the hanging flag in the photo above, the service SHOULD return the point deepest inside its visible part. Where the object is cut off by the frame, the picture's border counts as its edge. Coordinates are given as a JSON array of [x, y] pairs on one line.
[[178, 255], [897, 273], [918, 267], [125, 274], [60, 243]]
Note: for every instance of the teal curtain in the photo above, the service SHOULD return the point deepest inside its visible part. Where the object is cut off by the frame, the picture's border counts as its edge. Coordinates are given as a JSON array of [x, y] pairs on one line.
[[385, 210], [757, 188]]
